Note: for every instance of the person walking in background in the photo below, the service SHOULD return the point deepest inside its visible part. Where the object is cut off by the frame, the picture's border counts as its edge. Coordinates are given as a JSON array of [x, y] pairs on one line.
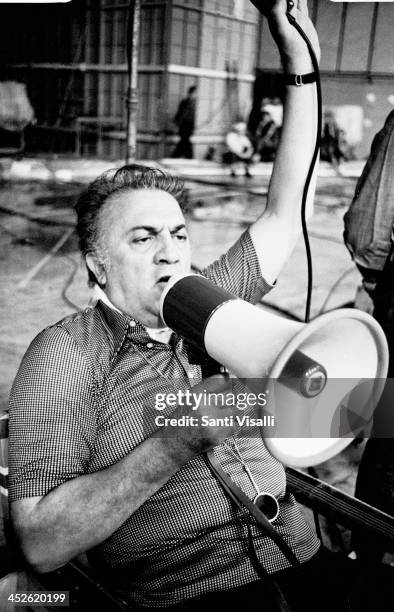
[[185, 120], [267, 137], [333, 144]]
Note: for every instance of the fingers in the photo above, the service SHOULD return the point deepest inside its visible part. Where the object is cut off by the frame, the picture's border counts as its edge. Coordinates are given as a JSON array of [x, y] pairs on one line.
[[217, 383], [265, 6], [294, 6]]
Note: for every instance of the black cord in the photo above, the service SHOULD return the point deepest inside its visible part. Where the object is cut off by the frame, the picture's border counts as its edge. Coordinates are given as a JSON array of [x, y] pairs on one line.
[[316, 518], [333, 287], [315, 64], [269, 582]]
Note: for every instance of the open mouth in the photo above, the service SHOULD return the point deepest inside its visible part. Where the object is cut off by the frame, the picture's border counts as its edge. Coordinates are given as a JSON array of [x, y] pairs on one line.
[[164, 279]]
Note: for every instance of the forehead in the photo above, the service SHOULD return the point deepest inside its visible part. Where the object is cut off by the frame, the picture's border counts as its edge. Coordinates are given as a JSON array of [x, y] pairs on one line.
[[141, 207]]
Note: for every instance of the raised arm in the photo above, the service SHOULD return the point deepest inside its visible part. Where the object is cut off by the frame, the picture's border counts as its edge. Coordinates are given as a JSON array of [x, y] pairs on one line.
[[275, 233]]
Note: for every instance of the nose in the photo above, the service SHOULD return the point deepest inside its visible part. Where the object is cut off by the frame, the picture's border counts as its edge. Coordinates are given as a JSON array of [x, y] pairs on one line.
[[168, 251]]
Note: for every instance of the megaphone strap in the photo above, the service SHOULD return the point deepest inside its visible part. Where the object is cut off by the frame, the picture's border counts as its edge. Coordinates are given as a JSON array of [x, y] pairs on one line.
[[266, 502], [242, 500], [269, 580]]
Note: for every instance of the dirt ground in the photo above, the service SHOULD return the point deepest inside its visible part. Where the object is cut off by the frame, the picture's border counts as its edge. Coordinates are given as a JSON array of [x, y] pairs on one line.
[[36, 215]]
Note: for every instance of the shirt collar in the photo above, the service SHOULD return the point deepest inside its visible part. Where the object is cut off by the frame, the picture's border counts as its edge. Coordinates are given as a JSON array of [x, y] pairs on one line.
[[116, 323], [120, 324], [99, 294]]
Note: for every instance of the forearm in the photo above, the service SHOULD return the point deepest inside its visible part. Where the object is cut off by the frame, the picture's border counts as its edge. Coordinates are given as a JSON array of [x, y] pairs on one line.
[[86, 510], [276, 231], [83, 512], [296, 146]]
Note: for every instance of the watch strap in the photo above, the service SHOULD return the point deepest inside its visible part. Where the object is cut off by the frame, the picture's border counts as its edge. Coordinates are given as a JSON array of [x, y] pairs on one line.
[[299, 79]]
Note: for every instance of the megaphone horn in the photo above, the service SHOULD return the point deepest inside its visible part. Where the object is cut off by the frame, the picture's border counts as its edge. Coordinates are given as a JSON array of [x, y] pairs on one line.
[[314, 368]]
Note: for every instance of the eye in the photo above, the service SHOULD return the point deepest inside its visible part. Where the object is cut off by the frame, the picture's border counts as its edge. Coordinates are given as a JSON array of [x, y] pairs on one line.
[[181, 237], [142, 240]]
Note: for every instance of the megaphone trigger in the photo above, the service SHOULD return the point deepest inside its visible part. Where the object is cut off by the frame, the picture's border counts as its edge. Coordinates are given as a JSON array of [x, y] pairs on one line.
[[325, 377]]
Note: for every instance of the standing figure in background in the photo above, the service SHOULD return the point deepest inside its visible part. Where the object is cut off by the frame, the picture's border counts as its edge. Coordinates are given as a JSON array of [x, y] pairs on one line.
[[267, 137], [333, 145], [239, 148], [185, 120]]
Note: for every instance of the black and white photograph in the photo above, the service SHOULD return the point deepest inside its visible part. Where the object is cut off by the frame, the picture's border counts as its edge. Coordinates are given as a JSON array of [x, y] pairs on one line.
[[197, 305]]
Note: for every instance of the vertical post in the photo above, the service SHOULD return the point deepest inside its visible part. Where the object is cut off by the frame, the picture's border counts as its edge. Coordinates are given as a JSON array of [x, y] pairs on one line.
[[341, 39], [166, 60], [101, 75], [372, 37], [132, 63]]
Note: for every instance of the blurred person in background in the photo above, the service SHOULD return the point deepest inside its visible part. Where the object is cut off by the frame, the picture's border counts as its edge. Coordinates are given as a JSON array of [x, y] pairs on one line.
[[185, 120], [239, 149]]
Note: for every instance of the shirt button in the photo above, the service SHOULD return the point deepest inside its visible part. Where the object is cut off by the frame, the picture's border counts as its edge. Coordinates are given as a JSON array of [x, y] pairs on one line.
[[132, 323], [149, 344]]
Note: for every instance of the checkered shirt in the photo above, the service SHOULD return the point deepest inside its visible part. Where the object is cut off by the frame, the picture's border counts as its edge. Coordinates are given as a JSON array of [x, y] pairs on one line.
[[77, 406]]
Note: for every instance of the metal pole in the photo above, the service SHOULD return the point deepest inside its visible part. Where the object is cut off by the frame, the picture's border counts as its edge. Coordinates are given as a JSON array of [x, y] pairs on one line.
[[132, 92]]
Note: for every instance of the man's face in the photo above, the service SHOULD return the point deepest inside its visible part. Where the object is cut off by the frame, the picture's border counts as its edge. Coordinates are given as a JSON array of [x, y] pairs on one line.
[[145, 240]]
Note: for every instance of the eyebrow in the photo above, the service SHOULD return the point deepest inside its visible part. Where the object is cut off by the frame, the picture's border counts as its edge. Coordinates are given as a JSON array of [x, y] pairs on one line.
[[155, 230]]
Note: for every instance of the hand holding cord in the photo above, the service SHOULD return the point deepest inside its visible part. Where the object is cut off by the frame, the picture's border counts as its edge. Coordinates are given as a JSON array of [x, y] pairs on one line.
[[273, 11]]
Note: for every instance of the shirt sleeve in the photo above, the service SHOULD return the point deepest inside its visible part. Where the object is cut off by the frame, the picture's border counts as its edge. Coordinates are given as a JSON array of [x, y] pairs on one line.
[[238, 271], [52, 417]]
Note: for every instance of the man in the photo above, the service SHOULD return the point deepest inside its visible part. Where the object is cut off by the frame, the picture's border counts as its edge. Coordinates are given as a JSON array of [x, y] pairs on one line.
[[333, 145], [368, 235], [185, 120], [88, 471], [267, 136]]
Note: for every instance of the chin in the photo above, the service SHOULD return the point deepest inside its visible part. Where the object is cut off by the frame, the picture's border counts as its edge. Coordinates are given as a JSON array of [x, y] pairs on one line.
[[155, 319], [155, 322]]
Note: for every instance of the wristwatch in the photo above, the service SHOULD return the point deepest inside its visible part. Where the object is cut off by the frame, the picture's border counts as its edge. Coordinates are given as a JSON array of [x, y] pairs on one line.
[[299, 79]]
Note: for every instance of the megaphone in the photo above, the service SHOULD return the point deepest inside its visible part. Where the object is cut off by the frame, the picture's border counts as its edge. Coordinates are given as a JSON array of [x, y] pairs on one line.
[[324, 377]]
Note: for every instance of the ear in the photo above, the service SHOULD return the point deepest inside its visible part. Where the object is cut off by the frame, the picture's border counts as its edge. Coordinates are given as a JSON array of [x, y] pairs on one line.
[[97, 268]]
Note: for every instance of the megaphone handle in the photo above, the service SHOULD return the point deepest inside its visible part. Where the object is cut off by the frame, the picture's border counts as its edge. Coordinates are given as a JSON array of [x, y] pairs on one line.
[[242, 500]]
